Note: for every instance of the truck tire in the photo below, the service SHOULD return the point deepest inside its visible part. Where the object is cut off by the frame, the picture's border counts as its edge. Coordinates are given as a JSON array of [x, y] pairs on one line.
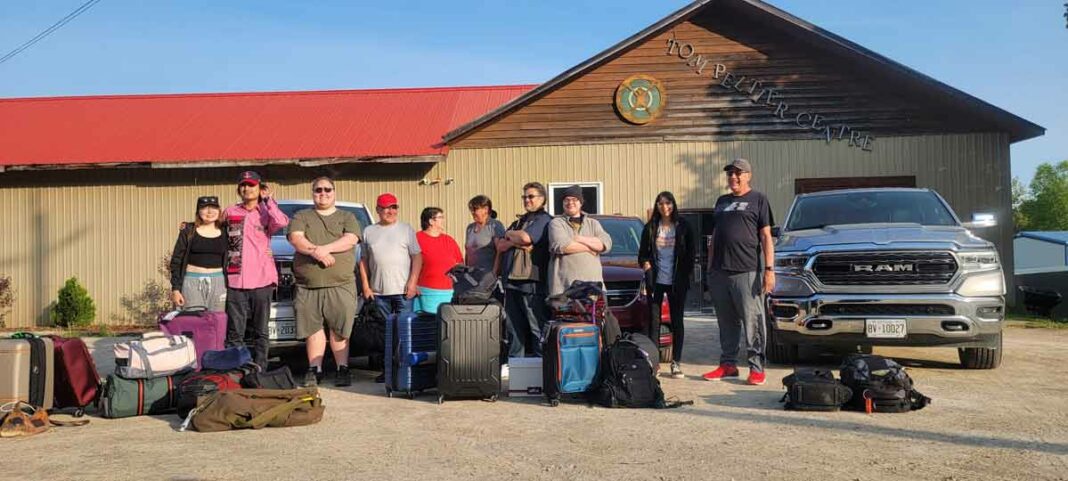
[[981, 357], [780, 353]]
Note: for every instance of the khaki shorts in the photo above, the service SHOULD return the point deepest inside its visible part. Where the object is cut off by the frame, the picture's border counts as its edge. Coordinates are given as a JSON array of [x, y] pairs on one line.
[[332, 307]]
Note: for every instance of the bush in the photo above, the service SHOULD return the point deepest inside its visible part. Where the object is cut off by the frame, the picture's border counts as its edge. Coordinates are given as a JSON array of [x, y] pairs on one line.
[[73, 307], [145, 306], [7, 298], [153, 299]]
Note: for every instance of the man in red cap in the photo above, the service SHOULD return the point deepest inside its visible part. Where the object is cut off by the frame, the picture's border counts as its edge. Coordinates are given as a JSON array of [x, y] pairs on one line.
[[391, 260], [250, 271]]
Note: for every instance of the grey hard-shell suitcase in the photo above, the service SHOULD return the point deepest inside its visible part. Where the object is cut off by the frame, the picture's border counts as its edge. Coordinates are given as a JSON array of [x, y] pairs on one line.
[[27, 371], [469, 351]]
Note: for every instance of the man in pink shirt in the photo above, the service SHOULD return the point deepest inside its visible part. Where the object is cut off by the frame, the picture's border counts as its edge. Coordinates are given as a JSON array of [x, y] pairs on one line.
[[250, 272]]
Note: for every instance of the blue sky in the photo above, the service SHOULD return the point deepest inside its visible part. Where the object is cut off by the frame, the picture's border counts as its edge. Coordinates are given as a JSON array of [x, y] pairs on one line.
[[1011, 54]]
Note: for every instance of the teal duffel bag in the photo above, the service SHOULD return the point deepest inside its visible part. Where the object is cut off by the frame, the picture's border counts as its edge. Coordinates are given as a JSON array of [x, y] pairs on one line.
[[121, 398]]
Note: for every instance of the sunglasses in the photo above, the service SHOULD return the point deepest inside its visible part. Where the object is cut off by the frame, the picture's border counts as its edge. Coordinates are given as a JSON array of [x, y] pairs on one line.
[[320, 190], [389, 207], [529, 197], [735, 173]]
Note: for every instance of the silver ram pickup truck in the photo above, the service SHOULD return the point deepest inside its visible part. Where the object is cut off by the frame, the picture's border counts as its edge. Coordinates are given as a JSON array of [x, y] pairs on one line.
[[887, 267]]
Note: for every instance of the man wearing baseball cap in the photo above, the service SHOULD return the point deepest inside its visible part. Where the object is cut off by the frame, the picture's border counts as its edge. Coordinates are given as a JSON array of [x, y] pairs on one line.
[[741, 234], [250, 271], [391, 262]]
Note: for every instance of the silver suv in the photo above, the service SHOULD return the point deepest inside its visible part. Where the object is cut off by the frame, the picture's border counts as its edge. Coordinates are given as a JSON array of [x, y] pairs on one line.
[[282, 326], [888, 267]]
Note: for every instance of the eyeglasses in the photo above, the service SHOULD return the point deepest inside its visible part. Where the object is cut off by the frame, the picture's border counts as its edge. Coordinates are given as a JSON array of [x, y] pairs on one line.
[[389, 207], [735, 173], [571, 200], [529, 197], [320, 190]]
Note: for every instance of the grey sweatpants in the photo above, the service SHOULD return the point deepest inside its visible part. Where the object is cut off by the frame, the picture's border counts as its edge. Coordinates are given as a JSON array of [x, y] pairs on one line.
[[739, 308], [205, 290]]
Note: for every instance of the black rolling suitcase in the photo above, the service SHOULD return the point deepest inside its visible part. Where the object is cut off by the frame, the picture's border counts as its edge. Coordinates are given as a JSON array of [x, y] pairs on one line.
[[469, 351]]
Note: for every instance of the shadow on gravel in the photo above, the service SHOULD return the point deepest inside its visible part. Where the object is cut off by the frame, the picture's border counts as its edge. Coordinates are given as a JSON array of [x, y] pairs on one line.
[[855, 427]]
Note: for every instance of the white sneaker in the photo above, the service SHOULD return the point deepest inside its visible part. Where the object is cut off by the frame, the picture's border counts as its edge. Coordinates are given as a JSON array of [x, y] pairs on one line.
[[676, 371]]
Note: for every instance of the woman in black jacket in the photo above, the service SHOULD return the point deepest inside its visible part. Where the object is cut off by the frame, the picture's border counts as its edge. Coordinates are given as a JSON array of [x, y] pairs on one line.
[[666, 254], [197, 278]]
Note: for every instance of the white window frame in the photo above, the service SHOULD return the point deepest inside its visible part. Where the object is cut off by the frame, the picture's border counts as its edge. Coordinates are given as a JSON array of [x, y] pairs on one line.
[[554, 186]]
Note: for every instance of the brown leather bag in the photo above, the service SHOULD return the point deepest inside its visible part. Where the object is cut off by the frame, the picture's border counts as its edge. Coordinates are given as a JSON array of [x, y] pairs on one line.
[[257, 408]]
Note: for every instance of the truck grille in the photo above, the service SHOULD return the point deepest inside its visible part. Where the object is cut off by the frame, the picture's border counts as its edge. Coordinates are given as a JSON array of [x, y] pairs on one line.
[[887, 310], [621, 293], [885, 269]]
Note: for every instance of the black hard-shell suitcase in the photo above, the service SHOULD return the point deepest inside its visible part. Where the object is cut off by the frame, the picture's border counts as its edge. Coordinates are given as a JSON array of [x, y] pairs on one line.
[[469, 351]]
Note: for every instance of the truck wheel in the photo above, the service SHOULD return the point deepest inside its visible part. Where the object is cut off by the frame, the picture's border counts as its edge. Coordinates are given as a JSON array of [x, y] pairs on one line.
[[780, 353], [981, 357], [666, 353]]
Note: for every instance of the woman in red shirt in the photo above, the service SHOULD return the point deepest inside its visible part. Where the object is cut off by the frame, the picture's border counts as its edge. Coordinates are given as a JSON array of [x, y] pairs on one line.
[[440, 253]]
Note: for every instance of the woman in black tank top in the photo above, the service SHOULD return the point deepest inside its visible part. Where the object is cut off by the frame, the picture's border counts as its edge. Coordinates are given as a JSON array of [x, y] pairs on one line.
[[197, 261]]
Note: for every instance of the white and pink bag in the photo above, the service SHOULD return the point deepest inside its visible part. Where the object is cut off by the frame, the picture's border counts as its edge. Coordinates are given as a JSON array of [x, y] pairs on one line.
[[155, 355]]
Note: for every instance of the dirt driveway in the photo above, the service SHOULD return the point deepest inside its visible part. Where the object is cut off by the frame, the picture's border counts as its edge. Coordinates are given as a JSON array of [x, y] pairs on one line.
[[1010, 423]]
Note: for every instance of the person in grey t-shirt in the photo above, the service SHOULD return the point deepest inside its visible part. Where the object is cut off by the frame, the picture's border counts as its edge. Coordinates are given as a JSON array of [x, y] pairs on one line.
[[480, 240], [576, 242]]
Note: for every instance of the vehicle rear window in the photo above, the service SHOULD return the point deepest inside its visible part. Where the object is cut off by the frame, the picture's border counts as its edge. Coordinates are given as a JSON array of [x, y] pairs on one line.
[[922, 208], [625, 234]]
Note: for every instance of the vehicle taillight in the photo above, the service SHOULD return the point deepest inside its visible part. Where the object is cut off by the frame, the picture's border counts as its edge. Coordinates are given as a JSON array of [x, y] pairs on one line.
[[665, 311]]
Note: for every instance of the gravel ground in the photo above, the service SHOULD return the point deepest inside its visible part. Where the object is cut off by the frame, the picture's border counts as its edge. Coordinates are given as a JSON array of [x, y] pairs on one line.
[[1008, 423]]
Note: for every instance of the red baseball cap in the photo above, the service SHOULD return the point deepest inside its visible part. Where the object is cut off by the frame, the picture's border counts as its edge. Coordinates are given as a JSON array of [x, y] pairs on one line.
[[386, 200]]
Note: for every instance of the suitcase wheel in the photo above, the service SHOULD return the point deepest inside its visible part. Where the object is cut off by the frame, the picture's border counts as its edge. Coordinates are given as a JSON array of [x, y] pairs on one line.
[[389, 393], [441, 399], [554, 402], [411, 396], [492, 398], [79, 412]]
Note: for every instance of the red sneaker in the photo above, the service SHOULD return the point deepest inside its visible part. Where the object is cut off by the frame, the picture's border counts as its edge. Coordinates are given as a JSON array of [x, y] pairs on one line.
[[724, 370], [756, 378]]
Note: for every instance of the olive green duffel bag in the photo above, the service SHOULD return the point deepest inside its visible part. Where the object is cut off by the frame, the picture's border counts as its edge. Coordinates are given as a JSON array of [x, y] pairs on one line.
[[257, 408]]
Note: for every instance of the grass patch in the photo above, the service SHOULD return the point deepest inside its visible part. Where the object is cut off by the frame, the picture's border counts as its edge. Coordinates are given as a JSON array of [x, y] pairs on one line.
[[1032, 322]]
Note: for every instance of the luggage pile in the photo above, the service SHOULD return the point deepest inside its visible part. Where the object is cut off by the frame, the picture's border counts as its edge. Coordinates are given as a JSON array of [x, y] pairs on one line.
[[39, 374], [868, 383]]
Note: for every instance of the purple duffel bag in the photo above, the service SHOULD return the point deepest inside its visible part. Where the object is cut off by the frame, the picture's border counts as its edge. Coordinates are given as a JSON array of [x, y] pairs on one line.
[[206, 328]]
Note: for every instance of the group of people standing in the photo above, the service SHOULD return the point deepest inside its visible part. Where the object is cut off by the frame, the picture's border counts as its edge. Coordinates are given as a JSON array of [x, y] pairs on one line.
[[223, 261]]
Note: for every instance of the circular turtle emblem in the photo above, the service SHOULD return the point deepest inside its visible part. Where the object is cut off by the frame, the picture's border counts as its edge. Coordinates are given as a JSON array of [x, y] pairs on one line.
[[640, 99]]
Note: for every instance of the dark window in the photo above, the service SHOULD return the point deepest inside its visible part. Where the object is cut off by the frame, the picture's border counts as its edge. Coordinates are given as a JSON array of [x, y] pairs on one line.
[[808, 186], [915, 207], [590, 204]]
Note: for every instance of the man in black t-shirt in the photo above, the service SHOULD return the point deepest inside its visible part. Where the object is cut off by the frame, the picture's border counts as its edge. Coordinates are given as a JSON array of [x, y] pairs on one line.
[[741, 234]]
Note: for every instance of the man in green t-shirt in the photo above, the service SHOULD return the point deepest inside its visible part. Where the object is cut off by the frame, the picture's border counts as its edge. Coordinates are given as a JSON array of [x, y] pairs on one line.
[[324, 266]]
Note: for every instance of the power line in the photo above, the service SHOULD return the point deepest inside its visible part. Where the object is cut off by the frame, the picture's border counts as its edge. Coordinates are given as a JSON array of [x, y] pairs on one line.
[[48, 31]]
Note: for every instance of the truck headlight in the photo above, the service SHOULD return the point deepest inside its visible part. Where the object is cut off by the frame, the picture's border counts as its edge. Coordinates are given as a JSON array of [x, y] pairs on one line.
[[982, 285], [791, 264], [978, 261]]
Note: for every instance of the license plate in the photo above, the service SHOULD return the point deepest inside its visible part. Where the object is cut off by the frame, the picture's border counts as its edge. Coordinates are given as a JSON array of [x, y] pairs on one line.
[[284, 329], [885, 328]]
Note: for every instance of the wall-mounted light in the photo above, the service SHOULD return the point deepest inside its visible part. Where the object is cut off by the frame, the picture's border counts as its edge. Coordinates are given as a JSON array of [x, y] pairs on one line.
[[439, 180]]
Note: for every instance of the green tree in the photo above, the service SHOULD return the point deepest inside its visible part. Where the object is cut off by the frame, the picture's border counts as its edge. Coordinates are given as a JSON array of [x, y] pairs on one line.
[[73, 307], [1047, 207], [1019, 195]]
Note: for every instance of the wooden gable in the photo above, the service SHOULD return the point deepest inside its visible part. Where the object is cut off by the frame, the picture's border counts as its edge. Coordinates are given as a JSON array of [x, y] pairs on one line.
[[817, 93]]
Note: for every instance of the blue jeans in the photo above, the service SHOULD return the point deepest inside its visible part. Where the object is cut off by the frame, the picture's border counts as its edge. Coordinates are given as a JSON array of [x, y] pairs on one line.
[[394, 304]]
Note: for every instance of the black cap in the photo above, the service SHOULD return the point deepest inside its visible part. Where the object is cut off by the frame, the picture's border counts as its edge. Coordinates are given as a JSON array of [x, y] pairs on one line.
[[206, 201], [740, 164], [573, 191], [249, 177]]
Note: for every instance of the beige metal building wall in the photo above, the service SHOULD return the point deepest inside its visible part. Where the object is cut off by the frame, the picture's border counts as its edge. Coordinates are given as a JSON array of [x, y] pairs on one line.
[[110, 227], [970, 170]]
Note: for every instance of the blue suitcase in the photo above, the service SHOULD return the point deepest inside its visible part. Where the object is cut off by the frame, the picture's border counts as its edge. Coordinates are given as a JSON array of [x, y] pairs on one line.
[[572, 357], [411, 360]]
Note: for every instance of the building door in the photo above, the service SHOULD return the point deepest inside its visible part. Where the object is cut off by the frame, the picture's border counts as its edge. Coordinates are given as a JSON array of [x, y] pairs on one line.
[[701, 222]]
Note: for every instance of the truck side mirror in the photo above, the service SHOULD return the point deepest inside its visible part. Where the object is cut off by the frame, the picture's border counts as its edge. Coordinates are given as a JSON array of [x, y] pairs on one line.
[[776, 231], [981, 220]]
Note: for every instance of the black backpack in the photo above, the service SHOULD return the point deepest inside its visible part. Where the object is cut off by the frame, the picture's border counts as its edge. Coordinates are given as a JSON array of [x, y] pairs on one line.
[[472, 285], [369, 330], [626, 378], [882, 381], [814, 390]]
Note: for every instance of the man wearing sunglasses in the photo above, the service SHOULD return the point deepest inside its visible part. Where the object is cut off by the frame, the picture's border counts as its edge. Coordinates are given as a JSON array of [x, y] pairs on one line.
[[741, 235], [524, 272], [325, 269], [250, 271]]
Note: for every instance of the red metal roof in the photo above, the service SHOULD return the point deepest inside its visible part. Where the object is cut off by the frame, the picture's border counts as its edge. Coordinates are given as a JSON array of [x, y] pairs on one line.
[[239, 126]]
